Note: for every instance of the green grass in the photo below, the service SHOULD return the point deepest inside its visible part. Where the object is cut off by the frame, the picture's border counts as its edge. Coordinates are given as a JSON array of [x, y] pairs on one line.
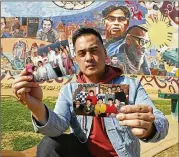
[[17, 130], [21, 143], [163, 105]]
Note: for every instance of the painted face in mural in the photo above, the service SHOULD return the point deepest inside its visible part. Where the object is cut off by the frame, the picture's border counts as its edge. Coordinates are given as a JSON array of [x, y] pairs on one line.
[[116, 23], [177, 20], [114, 60], [46, 26], [176, 5], [137, 41], [3, 25], [90, 55]]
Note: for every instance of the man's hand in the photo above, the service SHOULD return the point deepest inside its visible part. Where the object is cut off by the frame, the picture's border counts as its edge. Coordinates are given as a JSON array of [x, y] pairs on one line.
[[30, 94], [139, 117]]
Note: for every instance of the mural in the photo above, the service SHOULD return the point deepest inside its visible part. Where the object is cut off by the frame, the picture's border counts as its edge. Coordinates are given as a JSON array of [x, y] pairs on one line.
[[140, 37]]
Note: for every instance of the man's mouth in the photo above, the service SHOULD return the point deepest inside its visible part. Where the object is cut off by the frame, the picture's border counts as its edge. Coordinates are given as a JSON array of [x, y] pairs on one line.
[[116, 29], [90, 65]]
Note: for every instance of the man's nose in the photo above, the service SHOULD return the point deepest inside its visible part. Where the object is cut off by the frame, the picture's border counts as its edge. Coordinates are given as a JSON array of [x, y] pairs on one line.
[[89, 56]]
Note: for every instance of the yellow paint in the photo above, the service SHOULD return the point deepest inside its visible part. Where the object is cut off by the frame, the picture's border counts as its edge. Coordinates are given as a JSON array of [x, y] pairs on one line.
[[158, 30]]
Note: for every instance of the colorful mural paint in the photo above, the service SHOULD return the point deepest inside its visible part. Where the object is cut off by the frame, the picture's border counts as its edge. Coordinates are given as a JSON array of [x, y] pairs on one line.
[[141, 37]]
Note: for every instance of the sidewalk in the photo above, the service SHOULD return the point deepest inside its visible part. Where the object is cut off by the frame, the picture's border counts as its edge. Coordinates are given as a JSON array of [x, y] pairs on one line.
[[151, 149]]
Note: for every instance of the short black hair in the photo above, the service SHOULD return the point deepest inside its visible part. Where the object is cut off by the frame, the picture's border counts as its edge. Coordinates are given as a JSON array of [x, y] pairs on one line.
[[89, 99], [85, 31], [40, 62], [113, 56], [111, 8], [4, 19], [79, 100], [91, 91], [110, 99], [47, 19], [100, 99]]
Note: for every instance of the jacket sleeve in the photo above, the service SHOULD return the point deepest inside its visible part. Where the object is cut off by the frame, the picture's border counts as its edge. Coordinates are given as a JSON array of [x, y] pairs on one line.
[[58, 121], [160, 122]]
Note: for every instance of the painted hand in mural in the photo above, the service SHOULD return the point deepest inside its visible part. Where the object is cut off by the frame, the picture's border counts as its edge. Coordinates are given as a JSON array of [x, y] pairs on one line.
[[140, 118], [29, 94]]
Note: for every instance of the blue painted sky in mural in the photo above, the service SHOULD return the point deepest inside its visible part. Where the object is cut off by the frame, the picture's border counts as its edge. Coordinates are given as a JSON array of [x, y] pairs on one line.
[[49, 9], [39, 9]]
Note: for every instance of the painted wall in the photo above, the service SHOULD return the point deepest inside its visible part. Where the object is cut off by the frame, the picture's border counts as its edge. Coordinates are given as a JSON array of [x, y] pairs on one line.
[[140, 36]]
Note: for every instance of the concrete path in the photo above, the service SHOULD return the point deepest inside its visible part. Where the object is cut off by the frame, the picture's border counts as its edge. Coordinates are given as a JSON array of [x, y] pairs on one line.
[[151, 149]]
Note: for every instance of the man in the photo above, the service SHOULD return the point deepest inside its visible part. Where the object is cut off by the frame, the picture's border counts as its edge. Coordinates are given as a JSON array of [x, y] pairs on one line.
[[3, 26], [47, 33], [92, 97], [132, 53], [93, 136], [110, 107], [116, 21], [100, 108], [15, 25], [120, 95], [88, 108], [115, 62], [109, 94]]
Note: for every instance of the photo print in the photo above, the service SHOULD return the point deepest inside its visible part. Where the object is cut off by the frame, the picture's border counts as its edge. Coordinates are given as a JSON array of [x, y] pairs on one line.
[[51, 61], [104, 100]]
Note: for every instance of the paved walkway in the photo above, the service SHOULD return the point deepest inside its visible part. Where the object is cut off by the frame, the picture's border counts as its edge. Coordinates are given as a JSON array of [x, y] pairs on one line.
[[151, 149], [147, 149]]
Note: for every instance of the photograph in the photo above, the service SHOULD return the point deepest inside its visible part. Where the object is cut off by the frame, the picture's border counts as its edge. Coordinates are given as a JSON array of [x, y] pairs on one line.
[[100, 100]]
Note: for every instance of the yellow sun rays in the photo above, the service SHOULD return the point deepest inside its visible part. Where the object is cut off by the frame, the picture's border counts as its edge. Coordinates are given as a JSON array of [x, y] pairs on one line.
[[160, 31]]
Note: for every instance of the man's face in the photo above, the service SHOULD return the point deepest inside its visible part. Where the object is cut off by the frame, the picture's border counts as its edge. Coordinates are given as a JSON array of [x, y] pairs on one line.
[[139, 42], [90, 55], [114, 60], [91, 94], [116, 23], [16, 21], [109, 90], [118, 89], [46, 26], [88, 102], [100, 101], [77, 104], [3, 25], [110, 102]]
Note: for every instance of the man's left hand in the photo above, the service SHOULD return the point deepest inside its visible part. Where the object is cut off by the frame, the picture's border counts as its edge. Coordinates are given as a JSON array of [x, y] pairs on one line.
[[139, 117]]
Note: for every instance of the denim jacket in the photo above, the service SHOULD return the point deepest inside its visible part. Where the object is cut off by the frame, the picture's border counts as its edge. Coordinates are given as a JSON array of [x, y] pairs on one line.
[[121, 137]]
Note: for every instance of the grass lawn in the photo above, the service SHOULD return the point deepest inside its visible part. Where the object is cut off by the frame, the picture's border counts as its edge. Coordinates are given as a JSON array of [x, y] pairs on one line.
[[17, 131]]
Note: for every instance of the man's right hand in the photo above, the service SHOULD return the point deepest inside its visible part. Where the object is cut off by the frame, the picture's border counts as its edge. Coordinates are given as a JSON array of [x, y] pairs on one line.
[[30, 94]]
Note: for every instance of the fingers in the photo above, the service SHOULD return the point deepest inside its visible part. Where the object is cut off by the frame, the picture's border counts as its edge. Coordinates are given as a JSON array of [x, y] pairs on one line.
[[23, 91], [140, 116], [139, 132], [21, 86], [136, 108], [24, 78], [136, 124]]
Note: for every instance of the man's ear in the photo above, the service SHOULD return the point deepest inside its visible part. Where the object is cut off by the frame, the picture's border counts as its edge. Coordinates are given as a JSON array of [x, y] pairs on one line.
[[128, 40]]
